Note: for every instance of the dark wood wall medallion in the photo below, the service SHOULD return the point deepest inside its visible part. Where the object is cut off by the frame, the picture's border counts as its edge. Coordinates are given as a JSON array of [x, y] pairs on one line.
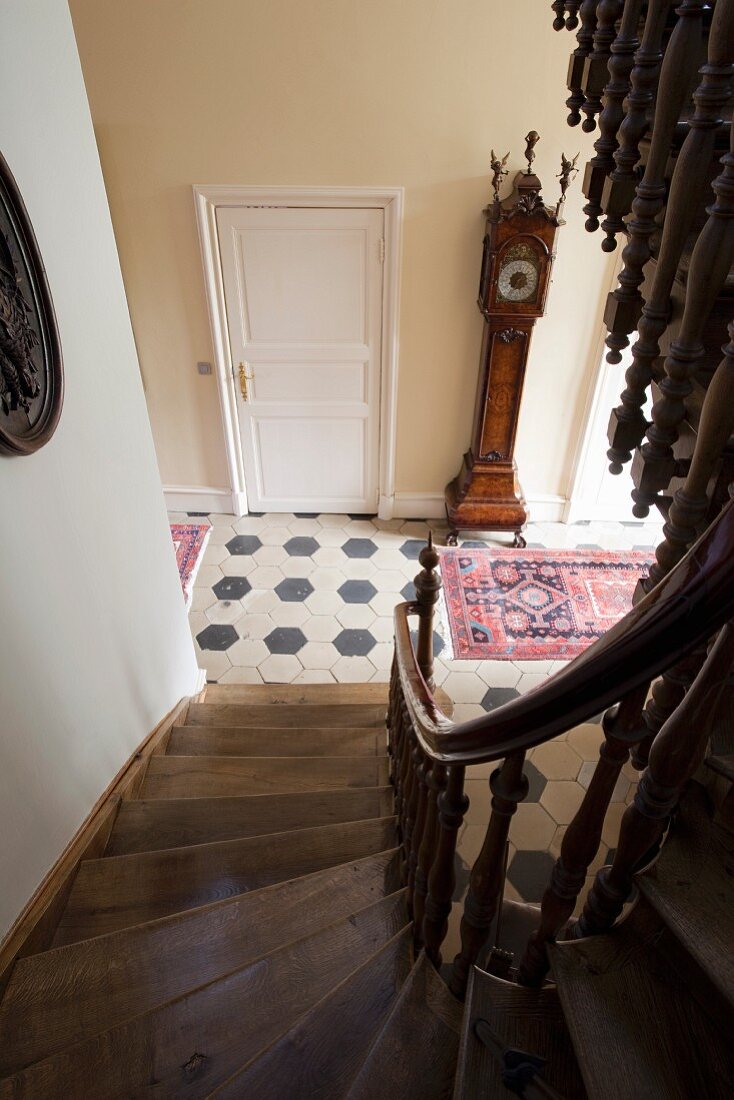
[[31, 372], [516, 264]]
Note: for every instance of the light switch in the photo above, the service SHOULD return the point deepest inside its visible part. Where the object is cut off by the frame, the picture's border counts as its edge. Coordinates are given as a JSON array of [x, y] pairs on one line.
[[204, 368]]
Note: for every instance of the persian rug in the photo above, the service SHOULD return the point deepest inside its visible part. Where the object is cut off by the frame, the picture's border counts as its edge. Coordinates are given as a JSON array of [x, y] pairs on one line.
[[533, 605], [189, 540]]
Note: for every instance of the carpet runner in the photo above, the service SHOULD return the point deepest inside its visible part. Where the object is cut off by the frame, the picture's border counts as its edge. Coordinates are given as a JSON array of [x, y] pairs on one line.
[[189, 540], [533, 605]]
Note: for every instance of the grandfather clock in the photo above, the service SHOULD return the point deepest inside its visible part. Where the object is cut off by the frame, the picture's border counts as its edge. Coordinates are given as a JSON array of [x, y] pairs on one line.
[[516, 266]]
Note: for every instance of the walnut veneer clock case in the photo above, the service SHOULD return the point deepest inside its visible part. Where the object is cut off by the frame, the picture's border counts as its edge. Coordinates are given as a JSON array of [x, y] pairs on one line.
[[513, 287]]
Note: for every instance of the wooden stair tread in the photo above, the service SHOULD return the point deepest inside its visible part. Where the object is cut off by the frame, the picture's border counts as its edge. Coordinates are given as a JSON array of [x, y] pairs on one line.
[[266, 741], [635, 1026], [209, 776], [119, 891], [524, 1019], [61, 996], [286, 715], [304, 694], [691, 887], [416, 1050], [187, 1047], [321, 1053], [144, 825]]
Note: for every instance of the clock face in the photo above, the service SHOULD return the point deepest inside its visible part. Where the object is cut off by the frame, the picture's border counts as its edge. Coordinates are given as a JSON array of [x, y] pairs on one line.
[[517, 280]]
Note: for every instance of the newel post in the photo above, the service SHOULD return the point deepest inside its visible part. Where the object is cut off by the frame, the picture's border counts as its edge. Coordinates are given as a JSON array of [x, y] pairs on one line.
[[427, 589]]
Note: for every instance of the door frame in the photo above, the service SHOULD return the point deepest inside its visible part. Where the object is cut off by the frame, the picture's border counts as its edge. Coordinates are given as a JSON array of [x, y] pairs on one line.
[[207, 197]]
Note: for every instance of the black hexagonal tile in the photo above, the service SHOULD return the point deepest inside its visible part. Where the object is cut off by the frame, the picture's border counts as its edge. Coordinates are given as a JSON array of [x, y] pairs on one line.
[[411, 548], [231, 588], [536, 780], [408, 592], [588, 546], [217, 636], [357, 591], [529, 872], [495, 697], [473, 544], [354, 643], [285, 639], [306, 515], [294, 589], [359, 548], [244, 544], [301, 546], [361, 515]]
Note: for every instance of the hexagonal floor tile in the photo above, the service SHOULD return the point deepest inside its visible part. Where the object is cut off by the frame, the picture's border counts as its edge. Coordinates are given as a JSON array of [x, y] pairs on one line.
[[408, 592], [280, 668], [315, 655], [529, 873], [411, 548], [557, 760], [294, 589], [217, 636], [285, 639], [562, 798], [244, 544], [495, 697], [321, 628], [357, 591], [536, 780], [231, 588], [301, 546], [359, 548], [354, 643]]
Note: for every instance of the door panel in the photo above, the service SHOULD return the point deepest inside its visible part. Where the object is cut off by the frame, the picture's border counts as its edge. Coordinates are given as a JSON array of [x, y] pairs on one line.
[[303, 289]]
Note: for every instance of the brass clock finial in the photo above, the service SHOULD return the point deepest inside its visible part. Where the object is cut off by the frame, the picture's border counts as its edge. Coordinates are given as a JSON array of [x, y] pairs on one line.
[[566, 174], [531, 140], [498, 173]]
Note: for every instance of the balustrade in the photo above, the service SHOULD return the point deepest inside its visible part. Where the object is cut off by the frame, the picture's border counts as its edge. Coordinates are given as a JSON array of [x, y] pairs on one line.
[[585, 40]]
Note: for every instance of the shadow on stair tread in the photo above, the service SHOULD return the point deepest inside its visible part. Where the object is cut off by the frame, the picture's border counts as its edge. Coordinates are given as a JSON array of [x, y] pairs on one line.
[[286, 715], [303, 694], [635, 1026], [266, 741], [416, 1051], [691, 887], [189, 1046], [119, 891], [524, 1019], [318, 1057], [61, 996], [151, 824], [207, 776]]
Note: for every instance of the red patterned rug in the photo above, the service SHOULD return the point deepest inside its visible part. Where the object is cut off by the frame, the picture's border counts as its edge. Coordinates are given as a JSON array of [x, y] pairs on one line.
[[189, 540], [533, 605]]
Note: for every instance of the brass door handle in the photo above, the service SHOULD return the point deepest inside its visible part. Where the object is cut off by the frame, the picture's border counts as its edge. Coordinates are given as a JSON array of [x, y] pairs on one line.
[[244, 379]]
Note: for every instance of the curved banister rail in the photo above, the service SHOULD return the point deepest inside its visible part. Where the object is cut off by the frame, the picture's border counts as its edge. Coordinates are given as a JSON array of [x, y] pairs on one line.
[[683, 610]]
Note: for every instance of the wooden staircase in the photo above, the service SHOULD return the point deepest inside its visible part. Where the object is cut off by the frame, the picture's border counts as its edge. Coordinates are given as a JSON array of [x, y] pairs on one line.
[[247, 934]]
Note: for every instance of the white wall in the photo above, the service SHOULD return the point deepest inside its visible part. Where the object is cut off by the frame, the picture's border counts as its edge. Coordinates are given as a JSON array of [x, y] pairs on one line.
[[94, 642]]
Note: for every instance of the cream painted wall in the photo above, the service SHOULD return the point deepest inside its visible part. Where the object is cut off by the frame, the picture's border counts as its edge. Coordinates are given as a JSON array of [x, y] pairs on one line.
[[94, 643], [342, 92]]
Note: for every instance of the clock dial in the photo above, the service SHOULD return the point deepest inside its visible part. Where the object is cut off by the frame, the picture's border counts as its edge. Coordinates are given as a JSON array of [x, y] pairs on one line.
[[517, 280]]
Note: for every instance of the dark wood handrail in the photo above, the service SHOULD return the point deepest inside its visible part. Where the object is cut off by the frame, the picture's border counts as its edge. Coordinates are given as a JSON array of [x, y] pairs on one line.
[[684, 609]]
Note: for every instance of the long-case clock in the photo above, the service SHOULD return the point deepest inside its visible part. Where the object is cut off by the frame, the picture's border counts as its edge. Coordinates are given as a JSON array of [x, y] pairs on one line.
[[516, 266]]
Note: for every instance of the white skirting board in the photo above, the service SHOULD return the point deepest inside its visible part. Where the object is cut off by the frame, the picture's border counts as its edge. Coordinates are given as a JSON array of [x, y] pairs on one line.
[[194, 498]]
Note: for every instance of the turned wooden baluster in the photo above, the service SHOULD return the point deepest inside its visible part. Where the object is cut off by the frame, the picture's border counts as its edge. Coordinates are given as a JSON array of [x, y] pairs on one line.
[[667, 694], [624, 726], [427, 589], [585, 40], [410, 791], [691, 172], [676, 752], [619, 187], [572, 11], [690, 503], [509, 786], [391, 720], [559, 21], [452, 806], [619, 67], [654, 463], [596, 73], [420, 768], [428, 849]]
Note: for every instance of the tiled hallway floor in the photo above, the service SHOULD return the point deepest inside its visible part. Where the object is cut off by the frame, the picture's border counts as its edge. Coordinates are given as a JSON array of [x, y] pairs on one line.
[[284, 598]]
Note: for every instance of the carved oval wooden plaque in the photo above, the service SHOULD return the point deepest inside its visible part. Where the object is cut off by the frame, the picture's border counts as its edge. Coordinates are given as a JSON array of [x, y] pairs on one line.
[[31, 372]]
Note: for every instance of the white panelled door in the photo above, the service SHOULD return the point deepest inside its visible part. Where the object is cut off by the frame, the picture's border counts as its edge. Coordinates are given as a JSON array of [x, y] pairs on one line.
[[303, 290]]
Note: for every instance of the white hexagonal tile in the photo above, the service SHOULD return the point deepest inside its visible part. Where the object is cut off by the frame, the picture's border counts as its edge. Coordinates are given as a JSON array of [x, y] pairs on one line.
[[359, 569], [464, 712], [330, 557], [221, 519], [219, 535], [314, 676], [249, 652], [381, 676], [270, 555], [381, 655], [239, 565], [388, 580], [528, 681], [331, 519], [216, 662], [382, 629], [536, 668], [297, 567], [208, 576], [416, 529], [353, 670], [197, 622], [389, 559], [464, 687], [290, 614], [321, 655], [278, 519], [321, 628], [384, 603], [360, 529], [202, 598], [332, 536], [356, 616], [265, 576], [274, 536], [224, 611], [304, 527], [254, 626], [214, 554], [327, 580], [498, 674], [259, 602], [280, 668], [241, 675], [249, 525], [324, 602]]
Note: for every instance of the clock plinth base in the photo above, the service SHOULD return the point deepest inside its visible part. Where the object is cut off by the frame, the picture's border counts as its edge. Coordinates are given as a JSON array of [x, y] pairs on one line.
[[486, 496]]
